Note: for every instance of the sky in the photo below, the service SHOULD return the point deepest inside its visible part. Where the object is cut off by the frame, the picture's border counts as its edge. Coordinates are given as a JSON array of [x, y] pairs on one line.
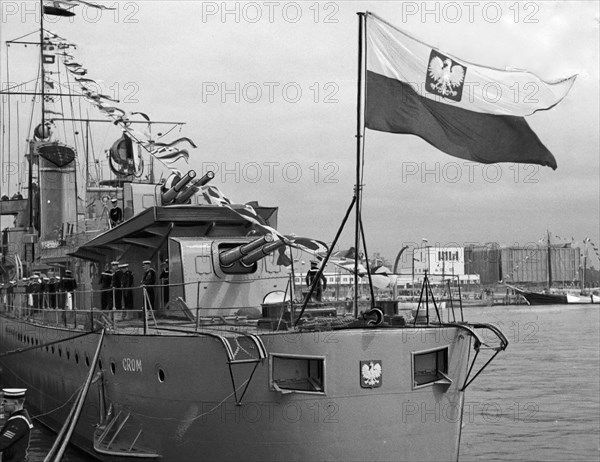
[[268, 94]]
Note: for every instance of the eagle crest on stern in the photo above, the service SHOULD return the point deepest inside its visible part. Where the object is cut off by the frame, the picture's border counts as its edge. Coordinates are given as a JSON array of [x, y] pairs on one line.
[[371, 373]]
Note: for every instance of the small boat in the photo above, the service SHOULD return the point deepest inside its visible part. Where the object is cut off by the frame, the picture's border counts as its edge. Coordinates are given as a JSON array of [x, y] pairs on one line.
[[550, 298]]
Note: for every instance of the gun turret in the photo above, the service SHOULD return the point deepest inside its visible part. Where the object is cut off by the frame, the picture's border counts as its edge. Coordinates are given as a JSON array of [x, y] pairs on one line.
[[229, 257], [168, 196], [183, 196], [261, 252]]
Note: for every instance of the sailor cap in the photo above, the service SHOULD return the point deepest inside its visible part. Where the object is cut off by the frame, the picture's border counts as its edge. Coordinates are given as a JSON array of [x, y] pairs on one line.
[[146, 262], [113, 200], [69, 272], [124, 265], [14, 393], [115, 263]]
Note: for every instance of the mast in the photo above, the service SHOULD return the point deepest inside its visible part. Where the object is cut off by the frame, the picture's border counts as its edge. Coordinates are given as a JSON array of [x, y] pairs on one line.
[[549, 256], [42, 76], [359, 137]]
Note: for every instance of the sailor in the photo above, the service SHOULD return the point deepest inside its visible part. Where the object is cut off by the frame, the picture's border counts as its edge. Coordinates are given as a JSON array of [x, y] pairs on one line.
[[116, 284], [164, 280], [14, 436], [321, 283], [35, 289], [45, 292], [115, 214], [148, 283], [127, 284], [68, 284], [52, 287], [105, 291], [27, 286]]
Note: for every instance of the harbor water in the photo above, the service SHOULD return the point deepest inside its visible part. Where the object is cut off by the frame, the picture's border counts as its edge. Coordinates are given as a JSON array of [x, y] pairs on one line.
[[538, 401]]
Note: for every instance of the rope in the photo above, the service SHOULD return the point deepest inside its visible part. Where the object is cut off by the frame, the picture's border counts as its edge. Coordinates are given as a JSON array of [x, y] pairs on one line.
[[22, 350]]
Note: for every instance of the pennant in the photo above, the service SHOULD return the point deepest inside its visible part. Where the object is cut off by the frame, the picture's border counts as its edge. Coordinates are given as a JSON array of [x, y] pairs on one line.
[[465, 110], [78, 71], [177, 141], [170, 156]]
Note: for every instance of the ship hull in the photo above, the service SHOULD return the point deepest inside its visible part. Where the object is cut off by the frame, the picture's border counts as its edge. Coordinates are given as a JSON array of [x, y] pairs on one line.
[[534, 298], [174, 396]]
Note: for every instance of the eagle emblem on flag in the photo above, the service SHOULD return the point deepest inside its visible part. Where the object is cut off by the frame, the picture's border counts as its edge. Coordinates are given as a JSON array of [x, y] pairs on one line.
[[371, 374], [445, 77]]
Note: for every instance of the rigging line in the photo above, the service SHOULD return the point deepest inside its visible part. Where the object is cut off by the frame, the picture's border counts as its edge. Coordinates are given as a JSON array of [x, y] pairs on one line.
[[62, 105], [21, 37], [18, 85], [9, 123], [18, 139], [82, 130], [75, 140], [90, 143], [169, 131], [35, 347], [59, 407], [362, 233]]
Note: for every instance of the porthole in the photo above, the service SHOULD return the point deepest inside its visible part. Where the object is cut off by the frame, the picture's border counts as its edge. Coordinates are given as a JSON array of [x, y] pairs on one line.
[[68, 354], [161, 375], [76, 358], [52, 350], [87, 361], [100, 364], [60, 352], [112, 367]]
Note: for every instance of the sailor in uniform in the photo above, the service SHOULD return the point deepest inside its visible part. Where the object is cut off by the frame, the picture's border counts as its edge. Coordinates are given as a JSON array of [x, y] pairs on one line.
[[116, 284], [148, 282], [105, 289], [321, 283], [115, 214], [127, 284], [68, 285], [14, 436], [164, 280]]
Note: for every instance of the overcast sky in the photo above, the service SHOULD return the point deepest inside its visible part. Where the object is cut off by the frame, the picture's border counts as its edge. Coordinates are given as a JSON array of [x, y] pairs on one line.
[[268, 91]]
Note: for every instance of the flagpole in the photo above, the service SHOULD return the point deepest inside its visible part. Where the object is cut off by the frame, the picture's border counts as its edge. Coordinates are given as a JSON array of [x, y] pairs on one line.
[[359, 136]]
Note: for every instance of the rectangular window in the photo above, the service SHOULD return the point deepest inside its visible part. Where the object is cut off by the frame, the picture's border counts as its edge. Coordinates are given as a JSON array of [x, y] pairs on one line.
[[297, 374], [431, 367]]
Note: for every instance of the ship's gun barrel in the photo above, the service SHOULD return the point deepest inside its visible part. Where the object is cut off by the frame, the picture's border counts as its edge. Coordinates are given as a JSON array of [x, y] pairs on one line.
[[229, 257], [170, 194], [261, 252], [183, 196]]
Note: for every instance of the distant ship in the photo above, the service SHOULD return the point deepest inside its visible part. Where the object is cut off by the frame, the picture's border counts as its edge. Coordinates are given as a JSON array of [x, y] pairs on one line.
[[554, 296], [195, 365]]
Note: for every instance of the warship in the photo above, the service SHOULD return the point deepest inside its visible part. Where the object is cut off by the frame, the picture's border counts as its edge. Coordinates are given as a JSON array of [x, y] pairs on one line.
[[214, 356]]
